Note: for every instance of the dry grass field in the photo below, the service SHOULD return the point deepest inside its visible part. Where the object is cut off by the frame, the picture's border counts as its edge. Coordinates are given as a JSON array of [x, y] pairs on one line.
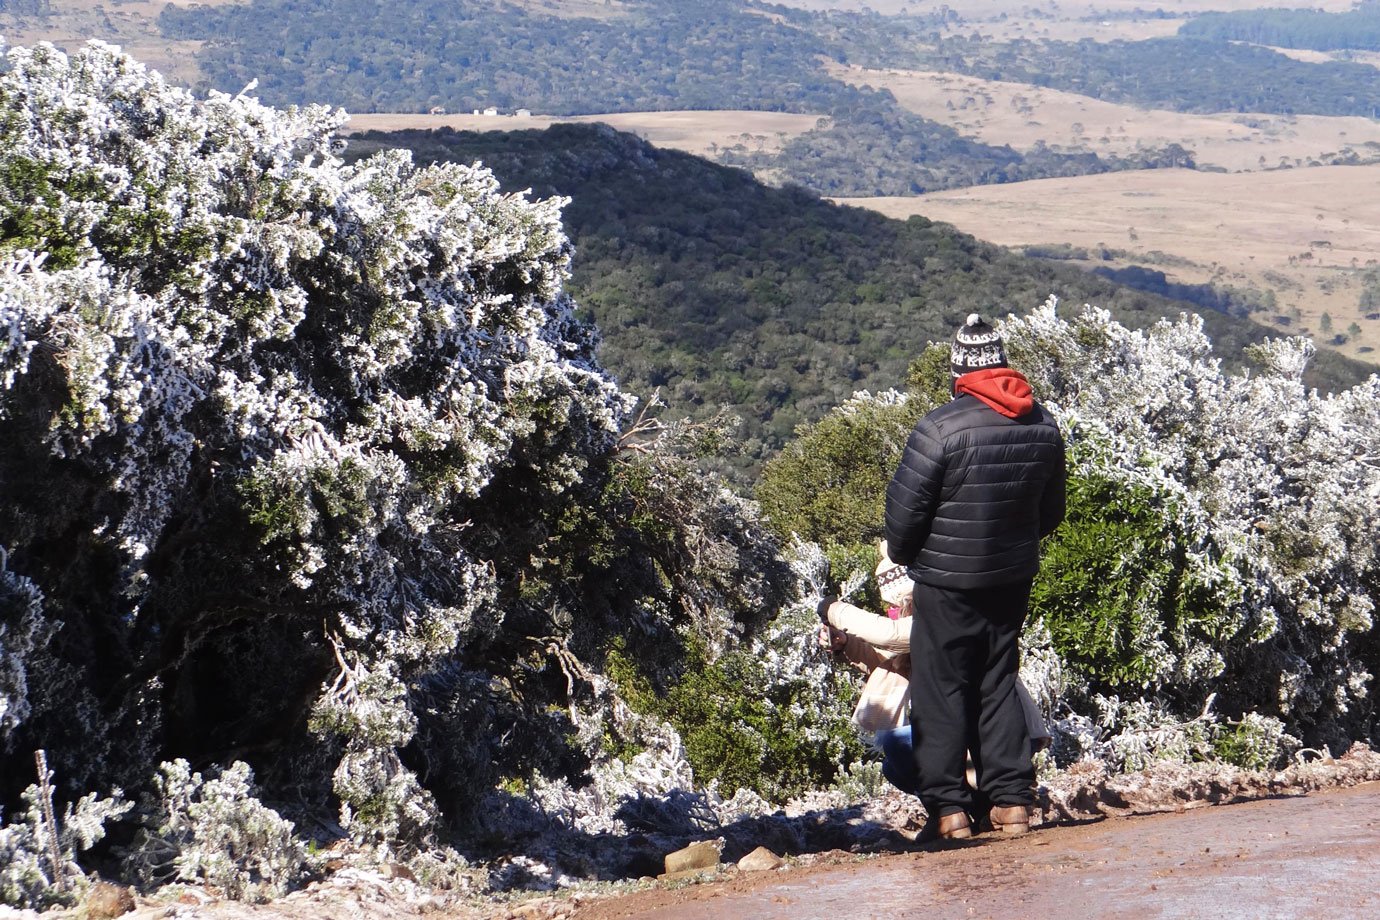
[[1321, 57], [1303, 233], [694, 132], [1020, 115]]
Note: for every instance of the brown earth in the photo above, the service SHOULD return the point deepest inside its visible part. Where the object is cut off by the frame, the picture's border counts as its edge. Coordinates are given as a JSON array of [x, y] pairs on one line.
[[1299, 857]]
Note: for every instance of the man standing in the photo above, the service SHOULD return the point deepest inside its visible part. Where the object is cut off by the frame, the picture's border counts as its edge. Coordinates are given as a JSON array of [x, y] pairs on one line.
[[980, 482]]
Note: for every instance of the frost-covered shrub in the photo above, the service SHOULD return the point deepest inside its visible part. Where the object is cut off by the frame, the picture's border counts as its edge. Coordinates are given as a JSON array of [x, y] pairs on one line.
[[28, 877], [1267, 497], [216, 832], [1135, 734], [23, 629], [287, 444], [1255, 742]]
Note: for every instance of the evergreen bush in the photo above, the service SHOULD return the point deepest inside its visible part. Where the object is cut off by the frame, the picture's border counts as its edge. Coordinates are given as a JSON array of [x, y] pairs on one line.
[[314, 461]]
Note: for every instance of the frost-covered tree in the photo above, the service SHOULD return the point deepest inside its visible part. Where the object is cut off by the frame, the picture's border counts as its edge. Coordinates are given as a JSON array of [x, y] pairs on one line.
[[312, 465]]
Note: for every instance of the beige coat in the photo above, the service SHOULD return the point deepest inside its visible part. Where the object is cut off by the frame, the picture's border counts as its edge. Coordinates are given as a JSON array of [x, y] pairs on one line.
[[881, 646]]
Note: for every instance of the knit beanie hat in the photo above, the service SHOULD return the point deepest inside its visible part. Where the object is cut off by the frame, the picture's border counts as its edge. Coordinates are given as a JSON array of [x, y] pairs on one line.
[[977, 347], [893, 583]]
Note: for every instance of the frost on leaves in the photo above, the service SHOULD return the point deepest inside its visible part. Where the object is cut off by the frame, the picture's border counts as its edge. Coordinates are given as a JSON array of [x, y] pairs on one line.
[[252, 396]]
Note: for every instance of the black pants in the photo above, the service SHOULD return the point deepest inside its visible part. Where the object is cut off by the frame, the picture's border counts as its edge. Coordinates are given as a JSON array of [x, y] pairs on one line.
[[964, 656]]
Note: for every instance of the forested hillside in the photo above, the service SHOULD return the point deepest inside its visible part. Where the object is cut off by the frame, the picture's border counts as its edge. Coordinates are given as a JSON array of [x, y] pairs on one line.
[[721, 291], [1358, 28], [654, 54], [464, 54], [721, 54], [871, 146]]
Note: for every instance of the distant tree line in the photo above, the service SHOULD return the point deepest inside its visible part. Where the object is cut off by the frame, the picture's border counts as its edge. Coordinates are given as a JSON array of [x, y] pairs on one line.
[[1358, 28], [874, 147], [1233, 301], [414, 55]]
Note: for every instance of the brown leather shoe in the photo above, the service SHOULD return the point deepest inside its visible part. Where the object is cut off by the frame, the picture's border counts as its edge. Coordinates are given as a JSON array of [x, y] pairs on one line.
[[955, 827], [1010, 819]]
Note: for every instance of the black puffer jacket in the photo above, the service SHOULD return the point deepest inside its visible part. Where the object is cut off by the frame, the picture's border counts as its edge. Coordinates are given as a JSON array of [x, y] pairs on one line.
[[974, 494]]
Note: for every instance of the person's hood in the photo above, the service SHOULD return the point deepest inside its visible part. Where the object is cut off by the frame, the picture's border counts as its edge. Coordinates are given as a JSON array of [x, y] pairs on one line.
[[1005, 390]]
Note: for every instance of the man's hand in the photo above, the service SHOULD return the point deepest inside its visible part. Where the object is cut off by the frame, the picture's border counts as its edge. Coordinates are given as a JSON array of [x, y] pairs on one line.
[[832, 639]]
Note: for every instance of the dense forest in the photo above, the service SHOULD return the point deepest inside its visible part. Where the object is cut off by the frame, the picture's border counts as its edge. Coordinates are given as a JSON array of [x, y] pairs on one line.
[[720, 291], [415, 54], [715, 54], [709, 54], [1358, 28]]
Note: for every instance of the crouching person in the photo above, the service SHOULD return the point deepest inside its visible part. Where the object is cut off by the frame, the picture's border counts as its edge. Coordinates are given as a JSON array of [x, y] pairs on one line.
[[880, 646]]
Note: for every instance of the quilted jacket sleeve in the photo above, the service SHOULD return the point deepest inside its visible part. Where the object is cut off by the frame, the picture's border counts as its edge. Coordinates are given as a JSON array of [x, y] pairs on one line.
[[913, 493], [1052, 500]]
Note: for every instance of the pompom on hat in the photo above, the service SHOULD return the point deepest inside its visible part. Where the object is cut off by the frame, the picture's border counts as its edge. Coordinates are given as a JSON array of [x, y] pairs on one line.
[[893, 583], [976, 347]]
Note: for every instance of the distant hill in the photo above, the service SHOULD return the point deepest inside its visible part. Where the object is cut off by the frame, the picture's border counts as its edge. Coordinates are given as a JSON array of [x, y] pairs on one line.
[[411, 55], [720, 290]]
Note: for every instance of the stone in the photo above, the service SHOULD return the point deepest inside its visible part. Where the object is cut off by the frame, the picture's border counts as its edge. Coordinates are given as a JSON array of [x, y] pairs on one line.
[[703, 854], [760, 860]]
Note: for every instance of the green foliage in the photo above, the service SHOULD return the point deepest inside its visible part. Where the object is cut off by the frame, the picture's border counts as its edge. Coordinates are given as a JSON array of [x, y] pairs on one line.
[[930, 378], [1115, 589], [827, 486], [24, 181], [743, 729], [1252, 743]]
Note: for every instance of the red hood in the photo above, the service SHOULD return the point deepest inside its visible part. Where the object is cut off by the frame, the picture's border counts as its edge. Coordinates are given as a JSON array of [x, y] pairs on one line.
[[1003, 389]]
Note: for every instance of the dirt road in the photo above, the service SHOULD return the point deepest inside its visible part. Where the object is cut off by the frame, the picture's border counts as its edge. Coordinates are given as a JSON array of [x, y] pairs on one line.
[[1315, 856]]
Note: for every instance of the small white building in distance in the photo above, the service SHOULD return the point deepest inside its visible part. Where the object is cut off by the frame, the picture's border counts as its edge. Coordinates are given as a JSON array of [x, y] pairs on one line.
[[523, 113], [436, 110], [491, 111]]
